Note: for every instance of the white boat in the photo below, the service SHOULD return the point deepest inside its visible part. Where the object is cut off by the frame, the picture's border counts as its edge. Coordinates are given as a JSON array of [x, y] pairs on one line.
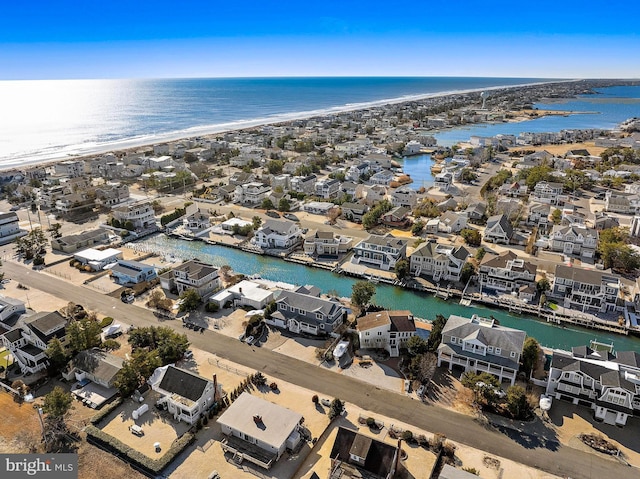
[[545, 402]]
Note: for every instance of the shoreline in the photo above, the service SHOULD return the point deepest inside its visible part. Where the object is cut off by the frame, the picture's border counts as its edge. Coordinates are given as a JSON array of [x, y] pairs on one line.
[[127, 144]]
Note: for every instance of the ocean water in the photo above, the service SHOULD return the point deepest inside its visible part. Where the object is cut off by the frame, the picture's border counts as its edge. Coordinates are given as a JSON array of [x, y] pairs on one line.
[[43, 120]]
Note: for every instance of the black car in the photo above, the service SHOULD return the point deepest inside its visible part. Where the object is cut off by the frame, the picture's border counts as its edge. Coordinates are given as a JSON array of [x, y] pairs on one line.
[[291, 217], [272, 214]]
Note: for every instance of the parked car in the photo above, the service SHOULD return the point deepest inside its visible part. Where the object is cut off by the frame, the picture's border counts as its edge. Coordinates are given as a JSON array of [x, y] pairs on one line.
[[136, 430], [325, 402], [272, 214], [291, 217], [249, 340], [420, 391], [188, 354]]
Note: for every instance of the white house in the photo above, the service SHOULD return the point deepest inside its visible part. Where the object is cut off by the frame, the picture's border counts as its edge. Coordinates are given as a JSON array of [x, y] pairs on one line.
[[438, 261], [404, 196], [251, 194], [98, 259], [326, 244], [141, 214], [389, 330], [10, 227], [192, 274], [277, 234], [380, 251]]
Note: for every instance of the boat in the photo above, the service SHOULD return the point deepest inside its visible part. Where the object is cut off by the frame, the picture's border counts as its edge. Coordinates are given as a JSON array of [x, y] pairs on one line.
[[545, 402]]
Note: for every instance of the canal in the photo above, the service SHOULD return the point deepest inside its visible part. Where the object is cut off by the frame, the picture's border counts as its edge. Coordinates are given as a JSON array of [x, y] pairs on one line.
[[420, 304]]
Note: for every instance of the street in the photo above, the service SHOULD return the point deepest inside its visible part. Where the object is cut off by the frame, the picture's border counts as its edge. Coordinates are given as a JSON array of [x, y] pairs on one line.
[[529, 449]]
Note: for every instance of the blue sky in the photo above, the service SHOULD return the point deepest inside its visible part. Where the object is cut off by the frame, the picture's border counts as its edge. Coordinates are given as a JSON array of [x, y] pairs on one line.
[[44, 39]]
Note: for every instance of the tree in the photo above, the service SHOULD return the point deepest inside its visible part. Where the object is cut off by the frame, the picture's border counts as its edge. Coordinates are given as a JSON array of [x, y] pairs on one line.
[[57, 356], [84, 334], [402, 269], [361, 293], [530, 355], [267, 204], [417, 228], [468, 176], [256, 222], [468, 270], [416, 345], [54, 230], [517, 402], [336, 408], [615, 252], [110, 345], [128, 379], [435, 336], [189, 300], [471, 236], [167, 345], [543, 285], [284, 205], [57, 403], [484, 386], [556, 216], [480, 253]]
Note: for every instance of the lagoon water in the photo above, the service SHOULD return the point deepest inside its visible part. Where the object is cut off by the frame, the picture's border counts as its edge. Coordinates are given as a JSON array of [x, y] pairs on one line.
[[420, 304]]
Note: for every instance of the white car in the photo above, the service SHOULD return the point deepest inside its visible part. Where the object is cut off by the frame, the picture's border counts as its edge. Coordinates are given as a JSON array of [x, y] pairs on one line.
[[420, 391], [325, 402], [249, 340]]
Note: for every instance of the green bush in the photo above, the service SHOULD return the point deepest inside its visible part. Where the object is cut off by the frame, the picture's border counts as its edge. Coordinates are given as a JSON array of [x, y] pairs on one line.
[[211, 307], [106, 321]]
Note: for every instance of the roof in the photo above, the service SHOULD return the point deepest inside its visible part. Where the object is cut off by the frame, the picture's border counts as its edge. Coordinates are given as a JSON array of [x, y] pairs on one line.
[[379, 457], [308, 303], [42, 323], [130, 267], [196, 269], [183, 383], [581, 275], [450, 472], [280, 227], [100, 364], [92, 254], [276, 422], [502, 221], [628, 358], [508, 259], [507, 339], [386, 240]]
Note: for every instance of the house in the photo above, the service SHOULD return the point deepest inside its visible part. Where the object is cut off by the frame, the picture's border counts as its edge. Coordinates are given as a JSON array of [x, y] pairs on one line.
[[587, 290], [318, 207], [29, 341], [438, 261], [575, 239], [351, 191], [538, 214], [112, 194], [398, 217], [128, 273], [192, 274], [304, 184], [382, 178], [603, 222], [326, 244], [353, 211], [185, 395], [443, 180], [73, 243], [10, 307], [389, 330], [303, 313], [140, 214], [355, 455], [97, 259], [375, 194], [356, 172], [498, 230], [97, 366], [259, 431], [625, 203], [607, 383], [452, 222], [69, 168], [327, 188], [513, 190], [380, 251], [476, 212], [549, 193], [447, 205], [412, 148], [506, 272], [10, 227], [250, 194], [244, 293], [277, 234], [480, 345], [404, 196], [240, 178]]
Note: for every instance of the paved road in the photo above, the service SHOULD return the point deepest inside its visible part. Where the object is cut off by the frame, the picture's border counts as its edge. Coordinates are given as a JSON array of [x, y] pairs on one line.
[[532, 449]]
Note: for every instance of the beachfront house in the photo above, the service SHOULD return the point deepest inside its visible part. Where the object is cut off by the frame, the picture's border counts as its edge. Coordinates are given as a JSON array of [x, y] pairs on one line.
[[28, 341], [277, 234], [388, 330], [303, 313], [587, 290], [326, 244], [607, 383], [185, 395], [575, 239], [506, 273], [192, 274], [438, 261], [498, 230], [259, 431], [380, 251], [480, 345], [128, 273]]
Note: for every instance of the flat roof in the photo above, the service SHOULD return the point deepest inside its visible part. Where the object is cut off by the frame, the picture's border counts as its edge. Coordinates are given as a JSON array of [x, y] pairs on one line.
[[276, 425], [92, 254]]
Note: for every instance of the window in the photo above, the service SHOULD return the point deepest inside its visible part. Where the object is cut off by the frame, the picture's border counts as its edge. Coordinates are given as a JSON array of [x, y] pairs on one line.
[[490, 349], [379, 333], [454, 340], [318, 316], [498, 350], [513, 354]]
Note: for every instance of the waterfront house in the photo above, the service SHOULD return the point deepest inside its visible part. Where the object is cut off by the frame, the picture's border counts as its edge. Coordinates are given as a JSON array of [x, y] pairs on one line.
[[607, 383], [69, 168], [250, 194], [397, 217], [10, 227], [277, 234], [244, 293], [97, 259], [438, 261], [443, 180], [192, 274], [140, 214], [128, 273], [506, 273], [480, 345], [28, 341], [548, 192], [587, 290], [380, 251], [388, 330], [326, 244], [355, 455], [498, 230], [259, 431], [575, 239], [382, 178], [625, 203], [304, 313], [452, 222], [404, 196], [185, 395], [353, 211]]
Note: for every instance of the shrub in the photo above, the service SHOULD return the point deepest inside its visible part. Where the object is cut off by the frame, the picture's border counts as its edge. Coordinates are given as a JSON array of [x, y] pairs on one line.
[[370, 422], [211, 307], [315, 399], [106, 321], [407, 436], [273, 386]]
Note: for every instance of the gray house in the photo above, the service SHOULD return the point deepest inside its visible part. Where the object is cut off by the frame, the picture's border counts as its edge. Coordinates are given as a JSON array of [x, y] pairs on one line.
[[303, 313]]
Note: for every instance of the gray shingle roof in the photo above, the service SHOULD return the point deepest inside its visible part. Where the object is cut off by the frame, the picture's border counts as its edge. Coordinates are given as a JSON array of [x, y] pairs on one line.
[[183, 383], [507, 339]]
